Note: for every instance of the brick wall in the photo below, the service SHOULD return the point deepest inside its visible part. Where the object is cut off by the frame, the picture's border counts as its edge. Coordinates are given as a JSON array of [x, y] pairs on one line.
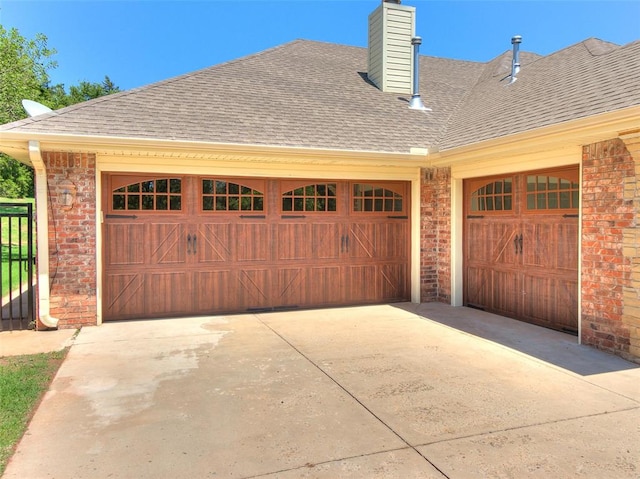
[[72, 238], [606, 271], [435, 235]]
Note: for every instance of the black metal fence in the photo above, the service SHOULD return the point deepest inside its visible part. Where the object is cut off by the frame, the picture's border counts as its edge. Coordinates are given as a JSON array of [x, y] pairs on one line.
[[16, 273]]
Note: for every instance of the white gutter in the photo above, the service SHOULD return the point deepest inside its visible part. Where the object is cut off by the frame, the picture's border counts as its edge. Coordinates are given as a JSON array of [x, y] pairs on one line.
[[12, 141], [42, 229]]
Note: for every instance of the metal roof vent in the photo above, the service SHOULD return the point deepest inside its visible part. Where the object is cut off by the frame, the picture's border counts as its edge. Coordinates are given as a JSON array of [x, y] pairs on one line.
[[516, 40], [416, 102]]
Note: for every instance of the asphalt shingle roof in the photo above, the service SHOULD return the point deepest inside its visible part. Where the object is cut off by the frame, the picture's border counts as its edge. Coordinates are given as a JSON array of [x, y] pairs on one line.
[[586, 79], [312, 94]]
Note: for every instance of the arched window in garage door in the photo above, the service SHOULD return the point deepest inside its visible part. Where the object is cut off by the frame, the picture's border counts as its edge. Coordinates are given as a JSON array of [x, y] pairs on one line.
[[223, 195], [317, 197], [156, 194], [376, 198], [494, 196]]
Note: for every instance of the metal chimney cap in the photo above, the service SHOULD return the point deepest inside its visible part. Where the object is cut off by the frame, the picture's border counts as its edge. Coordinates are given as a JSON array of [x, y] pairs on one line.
[[416, 41], [516, 39]]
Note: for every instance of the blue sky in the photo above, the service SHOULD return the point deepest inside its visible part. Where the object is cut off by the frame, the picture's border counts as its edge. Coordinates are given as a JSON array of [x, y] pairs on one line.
[[140, 42]]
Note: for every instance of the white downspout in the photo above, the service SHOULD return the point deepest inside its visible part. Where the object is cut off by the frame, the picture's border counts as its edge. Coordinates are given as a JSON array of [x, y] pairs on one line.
[[42, 226]]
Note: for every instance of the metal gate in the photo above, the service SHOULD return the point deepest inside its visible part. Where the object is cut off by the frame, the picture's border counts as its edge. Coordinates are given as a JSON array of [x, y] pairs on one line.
[[16, 273]]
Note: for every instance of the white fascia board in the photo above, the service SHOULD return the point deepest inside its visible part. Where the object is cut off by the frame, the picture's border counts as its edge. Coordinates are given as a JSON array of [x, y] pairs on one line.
[[179, 148], [541, 141]]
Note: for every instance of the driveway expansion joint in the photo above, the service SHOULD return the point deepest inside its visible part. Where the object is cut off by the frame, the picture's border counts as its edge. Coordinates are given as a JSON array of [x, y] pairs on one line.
[[337, 383], [331, 461], [528, 426]]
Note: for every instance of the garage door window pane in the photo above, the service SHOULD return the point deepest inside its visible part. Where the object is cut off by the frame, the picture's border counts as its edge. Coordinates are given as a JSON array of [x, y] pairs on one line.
[[148, 195], [161, 186], [119, 202], [133, 203], [221, 195], [147, 202]]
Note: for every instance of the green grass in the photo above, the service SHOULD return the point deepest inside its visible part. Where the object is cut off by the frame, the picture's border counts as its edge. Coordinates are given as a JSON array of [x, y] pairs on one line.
[[17, 248], [23, 382]]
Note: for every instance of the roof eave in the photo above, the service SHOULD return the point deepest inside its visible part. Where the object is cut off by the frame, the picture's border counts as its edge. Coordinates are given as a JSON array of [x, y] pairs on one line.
[[15, 144], [537, 142]]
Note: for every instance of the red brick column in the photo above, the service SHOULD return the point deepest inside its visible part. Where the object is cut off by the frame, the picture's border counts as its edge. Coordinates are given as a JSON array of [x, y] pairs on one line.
[[435, 235], [72, 238], [606, 271]]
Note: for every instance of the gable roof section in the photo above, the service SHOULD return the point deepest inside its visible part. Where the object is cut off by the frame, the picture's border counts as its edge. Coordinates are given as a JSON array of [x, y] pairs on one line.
[[583, 80], [301, 94]]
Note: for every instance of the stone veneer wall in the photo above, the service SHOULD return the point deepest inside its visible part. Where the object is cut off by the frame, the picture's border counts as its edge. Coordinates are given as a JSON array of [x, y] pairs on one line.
[[72, 239], [435, 235], [609, 247]]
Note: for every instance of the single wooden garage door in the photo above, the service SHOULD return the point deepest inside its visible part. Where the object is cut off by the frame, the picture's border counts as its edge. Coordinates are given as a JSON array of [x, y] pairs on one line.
[[521, 246], [180, 245]]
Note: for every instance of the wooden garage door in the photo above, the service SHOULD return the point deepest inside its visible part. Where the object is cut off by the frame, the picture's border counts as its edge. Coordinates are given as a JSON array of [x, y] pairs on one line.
[[521, 246], [177, 245]]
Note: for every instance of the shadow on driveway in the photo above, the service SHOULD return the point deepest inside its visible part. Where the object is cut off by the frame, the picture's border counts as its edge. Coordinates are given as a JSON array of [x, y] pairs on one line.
[[554, 347]]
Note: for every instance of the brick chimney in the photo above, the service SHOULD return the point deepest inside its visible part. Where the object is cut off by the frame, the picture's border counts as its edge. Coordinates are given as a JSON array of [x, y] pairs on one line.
[[391, 28]]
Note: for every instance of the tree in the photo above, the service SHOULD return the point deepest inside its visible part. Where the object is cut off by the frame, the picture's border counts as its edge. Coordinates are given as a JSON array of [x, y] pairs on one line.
[[87, 91], [24, 74], [24, 67]]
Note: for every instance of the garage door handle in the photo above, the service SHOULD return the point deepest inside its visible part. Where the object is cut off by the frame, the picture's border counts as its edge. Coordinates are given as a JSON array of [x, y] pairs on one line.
[[520, 243], [517, 241], [189, 244], [195, 238]]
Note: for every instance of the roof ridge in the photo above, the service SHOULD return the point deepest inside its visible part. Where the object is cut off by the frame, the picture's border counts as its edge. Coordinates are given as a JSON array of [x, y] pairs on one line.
[[596, 46], [455, 110]]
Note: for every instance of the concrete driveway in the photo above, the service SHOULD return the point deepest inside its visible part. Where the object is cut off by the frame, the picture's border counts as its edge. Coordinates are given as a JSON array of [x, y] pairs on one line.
[[400, 391]]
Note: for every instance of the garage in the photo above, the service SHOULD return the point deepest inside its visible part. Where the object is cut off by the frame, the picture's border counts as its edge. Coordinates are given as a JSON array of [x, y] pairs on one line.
[[521, 246], [186, 245]]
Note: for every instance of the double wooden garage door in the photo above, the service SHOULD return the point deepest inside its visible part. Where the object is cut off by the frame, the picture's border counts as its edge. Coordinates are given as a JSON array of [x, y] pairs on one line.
[[181, 245], [521, 246]]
